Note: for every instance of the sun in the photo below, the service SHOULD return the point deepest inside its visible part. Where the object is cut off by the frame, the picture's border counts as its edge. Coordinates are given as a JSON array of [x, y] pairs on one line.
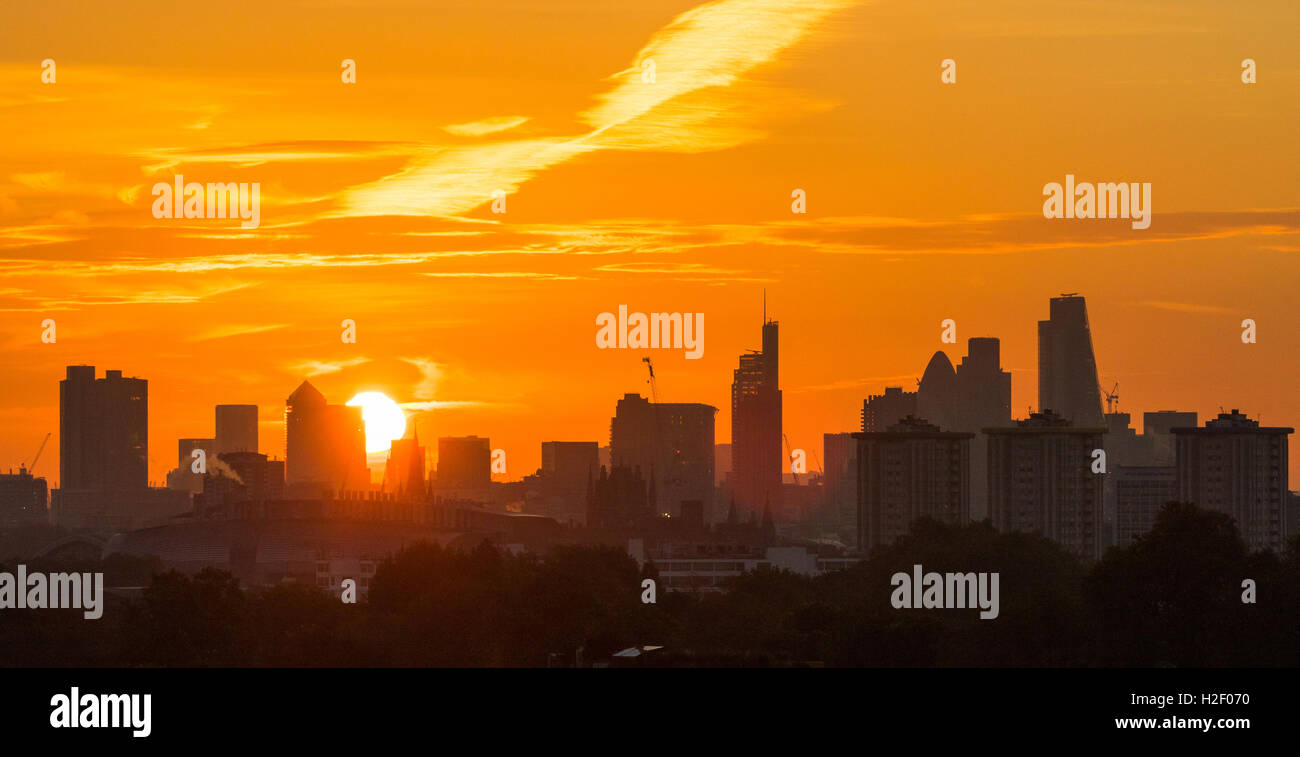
[[384, 419]]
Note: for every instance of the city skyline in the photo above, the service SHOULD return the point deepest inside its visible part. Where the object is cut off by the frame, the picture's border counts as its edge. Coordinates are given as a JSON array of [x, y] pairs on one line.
[[273, 444], [923, 204]]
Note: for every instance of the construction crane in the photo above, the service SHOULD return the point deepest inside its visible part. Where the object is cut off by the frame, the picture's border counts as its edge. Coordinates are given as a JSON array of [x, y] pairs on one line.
[[658, 468], [654, 388], [789, 458], [1112, 398], [37, 456]]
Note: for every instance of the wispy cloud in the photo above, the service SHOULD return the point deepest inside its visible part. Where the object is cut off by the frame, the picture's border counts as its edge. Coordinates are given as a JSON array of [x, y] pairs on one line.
[[78, 300], [321, 367], [1183, 307], [443, 405], [486, 126], [235, 329], [430, 373], [711, 46], [268, 152], [685, 271], [502, 275]]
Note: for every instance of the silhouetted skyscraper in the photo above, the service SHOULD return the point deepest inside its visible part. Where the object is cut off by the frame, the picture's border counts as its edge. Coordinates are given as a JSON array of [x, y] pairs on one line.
[[1041, 481], [103, 431], [912, 470], [236, 428], [984, 400], [671, 443], [840, 481], [464, 462], [880, 411], [1235, 466], [971, 397], [325, 444], [757, 461], [937, 397], [1067, 368], [104, 448], [560, 487], [404, 471]]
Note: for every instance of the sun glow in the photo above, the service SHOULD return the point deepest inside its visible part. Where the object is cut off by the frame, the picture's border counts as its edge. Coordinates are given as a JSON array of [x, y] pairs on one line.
[[384, 419]]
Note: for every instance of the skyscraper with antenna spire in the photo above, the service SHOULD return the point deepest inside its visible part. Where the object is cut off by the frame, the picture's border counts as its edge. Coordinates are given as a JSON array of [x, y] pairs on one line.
[[757, 463]]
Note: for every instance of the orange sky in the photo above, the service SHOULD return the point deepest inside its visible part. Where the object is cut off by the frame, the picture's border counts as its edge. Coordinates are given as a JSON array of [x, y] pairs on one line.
[[924, 203]]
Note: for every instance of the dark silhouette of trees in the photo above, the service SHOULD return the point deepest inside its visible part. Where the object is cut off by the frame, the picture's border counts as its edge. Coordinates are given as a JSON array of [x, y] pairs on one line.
[[1172, 598]]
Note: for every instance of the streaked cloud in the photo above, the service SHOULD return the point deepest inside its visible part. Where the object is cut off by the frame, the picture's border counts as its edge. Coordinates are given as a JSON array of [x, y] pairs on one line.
[[711, 46], [1183, 307], [501, 275], [486, 126], [322, 367], [444, 405], [430, 373], [235, 329]]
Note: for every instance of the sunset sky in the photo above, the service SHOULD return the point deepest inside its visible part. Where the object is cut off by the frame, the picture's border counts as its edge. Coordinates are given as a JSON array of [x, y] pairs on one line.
[[924, 203]]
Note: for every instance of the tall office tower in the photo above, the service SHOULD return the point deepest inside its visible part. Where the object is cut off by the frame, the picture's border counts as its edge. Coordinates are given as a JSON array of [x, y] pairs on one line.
[[757, 462], [985, 388], [1067, 368], [880, 411], [1235, 466], [559, 489], [1041, 481], [1140, 492], [325, 444], [619, 498], [671, 443], [840, 481], [570, 465], [236, 428], [464, 462], [1159, 426], [984, 391], [938, 400], [103, 431], [912, 470], [404, 471]]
